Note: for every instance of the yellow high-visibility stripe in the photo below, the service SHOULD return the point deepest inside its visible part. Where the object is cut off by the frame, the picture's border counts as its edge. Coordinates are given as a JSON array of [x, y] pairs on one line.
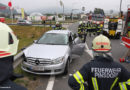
[[123, 86], [114, 83], [81, 87], [94, 81], [79, 79], [128, 82]]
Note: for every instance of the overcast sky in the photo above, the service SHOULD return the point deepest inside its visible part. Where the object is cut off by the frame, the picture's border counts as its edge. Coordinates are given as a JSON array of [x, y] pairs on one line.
[[30, 5]]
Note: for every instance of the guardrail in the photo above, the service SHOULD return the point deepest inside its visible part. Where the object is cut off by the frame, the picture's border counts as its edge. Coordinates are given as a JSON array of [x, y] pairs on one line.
[[17, 59], [37, 24]]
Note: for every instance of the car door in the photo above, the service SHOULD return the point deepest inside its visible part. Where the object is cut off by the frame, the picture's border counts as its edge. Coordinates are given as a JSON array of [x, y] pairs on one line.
[[78, 46]]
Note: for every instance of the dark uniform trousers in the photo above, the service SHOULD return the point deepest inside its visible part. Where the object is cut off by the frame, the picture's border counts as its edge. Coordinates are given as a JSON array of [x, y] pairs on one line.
[[6, 72], [102, 73]]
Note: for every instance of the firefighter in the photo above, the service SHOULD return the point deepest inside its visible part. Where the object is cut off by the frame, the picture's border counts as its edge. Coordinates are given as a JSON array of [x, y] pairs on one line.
[[58, 26], [101, 73], [84, 31], [99, 29], [8, 48], [81, 30], [94, 29], [89, 28]]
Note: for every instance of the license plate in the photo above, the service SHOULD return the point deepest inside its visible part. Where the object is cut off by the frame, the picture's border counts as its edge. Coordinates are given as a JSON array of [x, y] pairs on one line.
[[37, 68]]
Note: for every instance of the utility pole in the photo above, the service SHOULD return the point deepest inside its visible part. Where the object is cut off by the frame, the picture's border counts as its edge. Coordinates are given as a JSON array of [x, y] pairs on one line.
[[120, 6], [62, 4]]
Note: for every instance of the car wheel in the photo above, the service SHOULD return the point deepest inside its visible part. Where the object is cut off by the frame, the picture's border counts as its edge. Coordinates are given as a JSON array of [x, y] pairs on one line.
[[66, 68]]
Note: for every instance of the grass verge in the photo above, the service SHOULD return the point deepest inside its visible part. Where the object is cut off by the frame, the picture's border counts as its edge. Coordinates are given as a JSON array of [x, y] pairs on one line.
[[26, 35]]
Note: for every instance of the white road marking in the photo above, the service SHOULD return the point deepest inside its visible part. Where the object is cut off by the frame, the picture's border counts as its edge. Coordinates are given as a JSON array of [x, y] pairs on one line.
[[50, 83], [86, 46], [123, 44], [90, 52]]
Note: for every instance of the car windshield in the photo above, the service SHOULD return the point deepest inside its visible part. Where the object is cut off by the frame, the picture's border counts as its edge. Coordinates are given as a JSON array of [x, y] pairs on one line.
[[97, 18], [53, 39]]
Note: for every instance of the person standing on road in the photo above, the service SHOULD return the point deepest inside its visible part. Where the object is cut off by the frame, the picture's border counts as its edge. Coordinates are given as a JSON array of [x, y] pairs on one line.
[[81, 31], [58, 26], [8, 48], [98, 30], [85, 32], [101, 73], [95, 29], [89, 28]]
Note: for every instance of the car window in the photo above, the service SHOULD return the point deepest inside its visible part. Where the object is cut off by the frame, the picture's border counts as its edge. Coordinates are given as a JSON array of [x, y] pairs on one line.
[[53, 39]]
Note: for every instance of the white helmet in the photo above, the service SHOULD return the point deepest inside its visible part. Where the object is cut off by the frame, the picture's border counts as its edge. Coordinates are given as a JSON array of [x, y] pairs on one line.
[[8, 41], [57, 22], [101, 44], [84, 22], [80, 22]]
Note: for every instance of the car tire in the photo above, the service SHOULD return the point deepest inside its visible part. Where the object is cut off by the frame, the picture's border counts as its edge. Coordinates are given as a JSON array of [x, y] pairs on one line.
[[66, 68]]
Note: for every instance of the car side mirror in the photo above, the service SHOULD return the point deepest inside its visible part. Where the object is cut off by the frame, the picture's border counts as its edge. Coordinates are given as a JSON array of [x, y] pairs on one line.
[[34, 41]]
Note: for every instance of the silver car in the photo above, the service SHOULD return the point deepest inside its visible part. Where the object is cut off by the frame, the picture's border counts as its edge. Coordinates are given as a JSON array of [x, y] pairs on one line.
[[24, 22], [51, 54]]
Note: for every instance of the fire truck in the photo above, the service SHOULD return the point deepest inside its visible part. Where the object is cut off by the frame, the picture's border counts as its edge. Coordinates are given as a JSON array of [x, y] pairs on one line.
[[126, 38], [126, 31], [98, 19], [113, 27]]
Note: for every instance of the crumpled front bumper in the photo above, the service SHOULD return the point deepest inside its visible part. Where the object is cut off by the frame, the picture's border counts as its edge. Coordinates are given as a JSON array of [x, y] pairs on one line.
[[44, 70]]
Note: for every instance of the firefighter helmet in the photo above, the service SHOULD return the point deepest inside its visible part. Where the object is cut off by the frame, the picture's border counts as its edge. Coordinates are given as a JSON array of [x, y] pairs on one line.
[[80, 22], [84, 21], [101, 25], [8, 41], [101, 44], [57, 22]]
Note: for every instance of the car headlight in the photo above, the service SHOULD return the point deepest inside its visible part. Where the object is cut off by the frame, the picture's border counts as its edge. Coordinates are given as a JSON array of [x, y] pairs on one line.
[[58, 60]]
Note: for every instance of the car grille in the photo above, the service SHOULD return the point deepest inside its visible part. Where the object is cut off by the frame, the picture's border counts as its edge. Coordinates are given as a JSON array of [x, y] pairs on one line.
[[38, 61]]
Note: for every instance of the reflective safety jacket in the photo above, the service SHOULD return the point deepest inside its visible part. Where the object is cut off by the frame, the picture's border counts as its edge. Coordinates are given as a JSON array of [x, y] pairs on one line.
[[100, 74], [58, 27], [99, 29], [81, 29]]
